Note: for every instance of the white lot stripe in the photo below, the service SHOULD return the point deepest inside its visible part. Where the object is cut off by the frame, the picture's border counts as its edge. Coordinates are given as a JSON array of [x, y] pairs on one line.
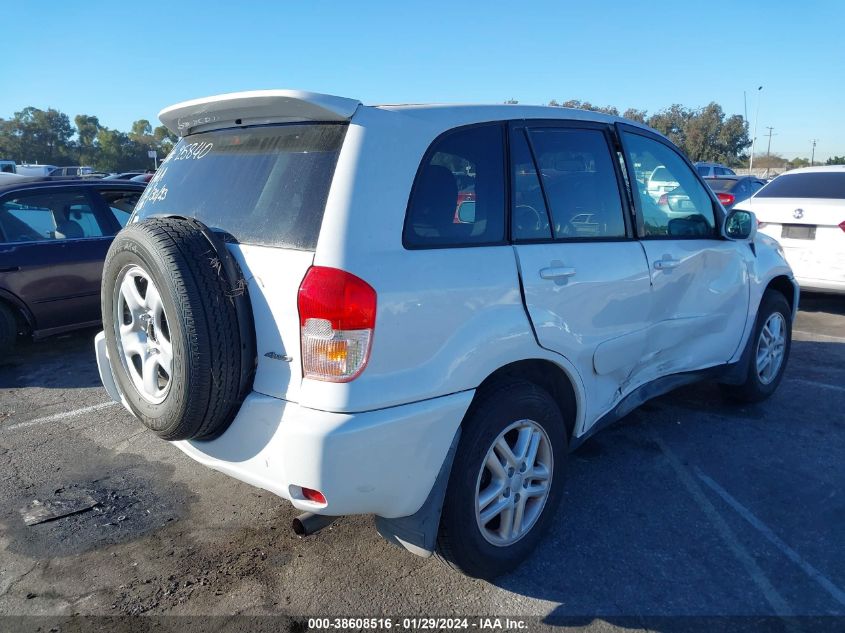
[[837, 593], [813, 383], [59, 416], [777, 602], [822, 337]]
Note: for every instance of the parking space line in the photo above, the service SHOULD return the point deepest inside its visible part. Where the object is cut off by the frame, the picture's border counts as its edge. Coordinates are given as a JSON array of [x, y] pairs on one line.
[[837, 593], [58, 416], [775, 600], [813, 383]]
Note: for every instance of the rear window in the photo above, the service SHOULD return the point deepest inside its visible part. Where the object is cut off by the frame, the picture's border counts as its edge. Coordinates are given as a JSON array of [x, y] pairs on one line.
[[811, 185], [721, 184], [263, 185], [661, 174]]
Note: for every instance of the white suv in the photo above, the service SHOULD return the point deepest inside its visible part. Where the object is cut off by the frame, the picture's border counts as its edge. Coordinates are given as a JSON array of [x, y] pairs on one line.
[[416, 312]]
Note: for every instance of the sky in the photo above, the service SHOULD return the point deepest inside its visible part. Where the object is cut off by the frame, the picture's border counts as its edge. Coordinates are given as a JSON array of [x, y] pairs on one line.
[[126, 61]]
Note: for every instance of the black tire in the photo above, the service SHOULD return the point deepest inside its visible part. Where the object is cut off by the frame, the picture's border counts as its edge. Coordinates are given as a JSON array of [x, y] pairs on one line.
[[211, 349], [8, 329], [460, 542], [753, 389]]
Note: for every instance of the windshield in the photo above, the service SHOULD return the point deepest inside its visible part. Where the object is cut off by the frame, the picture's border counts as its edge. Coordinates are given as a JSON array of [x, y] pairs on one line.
[[262, 185], [810, 185]]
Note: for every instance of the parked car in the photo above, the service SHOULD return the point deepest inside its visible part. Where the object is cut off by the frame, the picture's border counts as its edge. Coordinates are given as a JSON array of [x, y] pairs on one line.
[[804, 209], [713, 170], [147, 177], [70, 173], [53, 239], [731, 190], [660, 181], [270, 312], [126, 175], [39, 171]]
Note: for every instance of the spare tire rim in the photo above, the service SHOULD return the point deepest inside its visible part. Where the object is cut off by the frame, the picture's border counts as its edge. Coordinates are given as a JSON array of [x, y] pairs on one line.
[[143, 334], [514, 483], [771, 346]]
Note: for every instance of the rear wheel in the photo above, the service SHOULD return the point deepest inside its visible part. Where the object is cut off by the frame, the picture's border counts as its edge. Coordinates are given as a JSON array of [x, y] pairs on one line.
[[770, 344], [8, 329], [505, 484]]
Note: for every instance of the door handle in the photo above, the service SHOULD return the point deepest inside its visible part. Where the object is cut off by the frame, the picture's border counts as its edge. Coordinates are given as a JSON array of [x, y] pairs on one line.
[[667, 264], [10, 269], [556, 272]]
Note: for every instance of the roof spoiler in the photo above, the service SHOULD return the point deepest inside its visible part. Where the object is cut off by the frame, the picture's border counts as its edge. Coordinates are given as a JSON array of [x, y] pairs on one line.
[[255, 107]]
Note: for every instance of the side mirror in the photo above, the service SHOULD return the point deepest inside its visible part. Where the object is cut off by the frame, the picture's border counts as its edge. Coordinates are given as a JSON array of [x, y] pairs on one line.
[[740, 225]]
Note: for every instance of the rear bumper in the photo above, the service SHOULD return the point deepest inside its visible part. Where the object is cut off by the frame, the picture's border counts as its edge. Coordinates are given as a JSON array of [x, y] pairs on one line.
[[380, 462]]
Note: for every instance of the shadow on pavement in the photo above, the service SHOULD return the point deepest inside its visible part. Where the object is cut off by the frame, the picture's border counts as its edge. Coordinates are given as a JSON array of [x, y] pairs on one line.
[[59, 362], [642, 541]]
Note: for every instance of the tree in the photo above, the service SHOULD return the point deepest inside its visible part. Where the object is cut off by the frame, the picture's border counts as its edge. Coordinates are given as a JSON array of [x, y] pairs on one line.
[[799, 162], [705, 134], [584, 105], [35, 135], [835, 160], [86, 135], [632, 114]]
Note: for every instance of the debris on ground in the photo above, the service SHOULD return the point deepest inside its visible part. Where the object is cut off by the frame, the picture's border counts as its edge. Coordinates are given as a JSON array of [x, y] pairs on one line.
[[65, 503]]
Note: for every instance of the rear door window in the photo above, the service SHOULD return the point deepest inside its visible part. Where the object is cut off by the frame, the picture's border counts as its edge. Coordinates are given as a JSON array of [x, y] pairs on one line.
[[809, 185], [458, 197], [46, 215], [264, 185]]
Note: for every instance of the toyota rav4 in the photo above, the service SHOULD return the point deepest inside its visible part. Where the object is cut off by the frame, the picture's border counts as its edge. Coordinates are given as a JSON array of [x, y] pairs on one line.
[[417, 312]]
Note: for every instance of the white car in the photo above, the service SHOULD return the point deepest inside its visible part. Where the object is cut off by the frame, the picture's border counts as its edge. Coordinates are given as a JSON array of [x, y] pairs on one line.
[[660, 182], [804, 209], [297, 303]]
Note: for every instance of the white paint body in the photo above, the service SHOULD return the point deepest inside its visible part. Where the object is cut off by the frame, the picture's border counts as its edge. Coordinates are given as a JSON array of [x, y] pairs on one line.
[[818, 263], [448, 318]]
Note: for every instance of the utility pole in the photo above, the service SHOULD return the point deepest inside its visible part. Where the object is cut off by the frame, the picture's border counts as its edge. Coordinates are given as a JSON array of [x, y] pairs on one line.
[[768, 150], [754, 138], [813, 154]]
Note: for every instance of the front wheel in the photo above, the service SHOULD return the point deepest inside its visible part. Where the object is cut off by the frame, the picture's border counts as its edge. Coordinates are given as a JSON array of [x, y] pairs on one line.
[[770, 345], [506, 481]]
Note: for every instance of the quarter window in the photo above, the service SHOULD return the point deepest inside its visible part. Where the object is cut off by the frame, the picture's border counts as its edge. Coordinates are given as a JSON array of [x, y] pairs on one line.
[[580, 182], [673, 202], [458, 198]]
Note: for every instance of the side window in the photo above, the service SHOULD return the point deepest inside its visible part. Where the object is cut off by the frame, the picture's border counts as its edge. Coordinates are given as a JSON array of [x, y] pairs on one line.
[[579, 179], [37, 216], [672, 200], [703, 170], [121, 204], [530, 220], [458, 198]]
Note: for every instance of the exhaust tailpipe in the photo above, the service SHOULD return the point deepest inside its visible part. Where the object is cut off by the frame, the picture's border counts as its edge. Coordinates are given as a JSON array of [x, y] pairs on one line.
[[309, 523]]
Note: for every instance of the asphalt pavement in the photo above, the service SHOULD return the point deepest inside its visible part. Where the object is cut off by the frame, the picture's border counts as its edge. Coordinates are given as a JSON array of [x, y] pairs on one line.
[[690, 506]]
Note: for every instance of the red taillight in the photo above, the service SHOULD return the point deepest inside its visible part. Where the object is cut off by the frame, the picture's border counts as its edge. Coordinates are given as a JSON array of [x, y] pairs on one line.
[[314, 495], [842, 225], [337, 316], [727, 199], [663, 200]]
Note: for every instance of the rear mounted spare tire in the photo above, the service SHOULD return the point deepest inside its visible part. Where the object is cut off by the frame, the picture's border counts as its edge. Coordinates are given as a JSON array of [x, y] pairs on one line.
[[178, 327]]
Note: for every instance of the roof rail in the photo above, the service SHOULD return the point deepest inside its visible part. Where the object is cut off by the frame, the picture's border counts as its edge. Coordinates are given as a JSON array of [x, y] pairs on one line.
[[255, 107]]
